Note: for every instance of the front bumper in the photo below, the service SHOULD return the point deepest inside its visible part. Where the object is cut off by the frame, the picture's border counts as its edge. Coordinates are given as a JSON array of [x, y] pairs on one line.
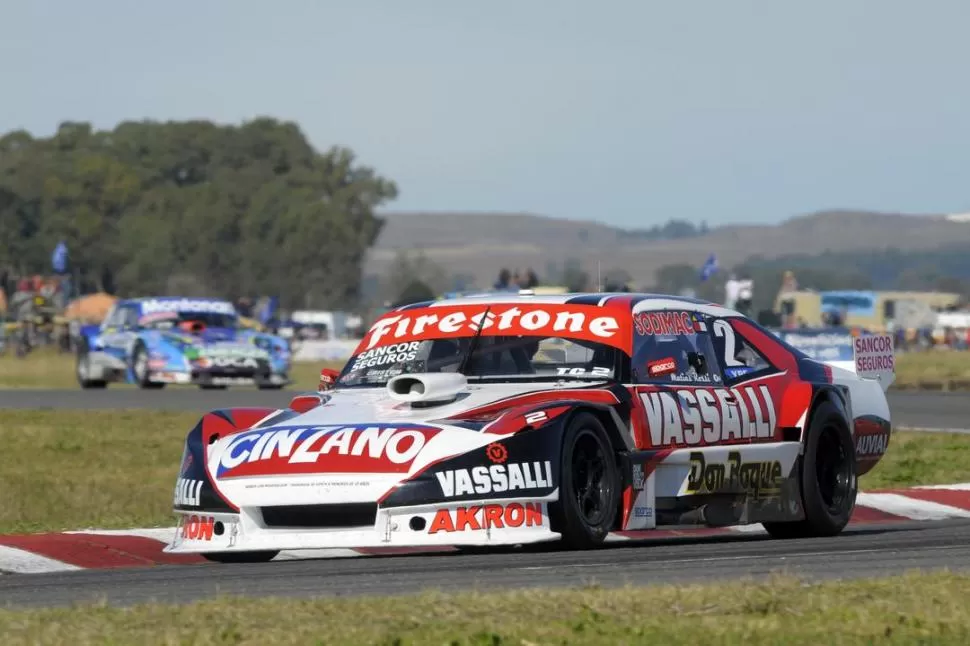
[[201, 378], [494, 522]]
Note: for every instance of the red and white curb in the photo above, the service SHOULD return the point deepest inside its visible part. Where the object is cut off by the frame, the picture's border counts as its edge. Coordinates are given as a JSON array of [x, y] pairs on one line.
[[99, 549]]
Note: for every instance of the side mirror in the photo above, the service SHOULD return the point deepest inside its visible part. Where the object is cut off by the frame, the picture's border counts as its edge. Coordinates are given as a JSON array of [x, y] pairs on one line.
[[328, 379]]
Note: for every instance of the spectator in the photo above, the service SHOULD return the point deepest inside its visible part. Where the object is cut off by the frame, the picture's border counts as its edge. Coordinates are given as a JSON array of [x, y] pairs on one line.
[[22, 309], [531, 279], [245, 307], [745, 294], [787, 297], [732, 289]]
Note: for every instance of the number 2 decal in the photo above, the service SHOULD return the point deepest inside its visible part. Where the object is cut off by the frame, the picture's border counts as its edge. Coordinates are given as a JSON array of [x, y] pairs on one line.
[[536, 417], [724, 329]]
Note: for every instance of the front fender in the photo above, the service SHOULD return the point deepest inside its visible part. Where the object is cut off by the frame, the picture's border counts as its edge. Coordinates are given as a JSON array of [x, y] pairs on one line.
[[525, 464], [195, 488]]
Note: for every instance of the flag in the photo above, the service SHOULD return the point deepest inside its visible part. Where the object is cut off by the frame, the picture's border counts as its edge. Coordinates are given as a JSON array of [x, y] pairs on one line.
[[59, 258], [709, 268]]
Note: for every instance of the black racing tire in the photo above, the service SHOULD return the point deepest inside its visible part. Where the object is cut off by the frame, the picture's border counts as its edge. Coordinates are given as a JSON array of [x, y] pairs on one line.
[[829, 480], [241, 557], [82, 368], [589, 485], [139, 353]]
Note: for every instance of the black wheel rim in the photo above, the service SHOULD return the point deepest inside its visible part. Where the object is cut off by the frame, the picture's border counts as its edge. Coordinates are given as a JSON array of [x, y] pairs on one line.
[[590, 478], [833, 471]]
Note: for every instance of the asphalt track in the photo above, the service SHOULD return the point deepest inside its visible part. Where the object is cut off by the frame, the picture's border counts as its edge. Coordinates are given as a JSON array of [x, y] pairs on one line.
[[862, 551], [927, 410], [856, 553]]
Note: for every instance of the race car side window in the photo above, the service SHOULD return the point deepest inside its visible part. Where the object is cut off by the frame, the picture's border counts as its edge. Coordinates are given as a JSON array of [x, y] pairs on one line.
[[114, 318], [129, 317], [737, 356], [673, 347]]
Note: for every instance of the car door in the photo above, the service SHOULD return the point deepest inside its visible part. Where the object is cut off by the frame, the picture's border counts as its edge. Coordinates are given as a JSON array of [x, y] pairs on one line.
[[683, 397]]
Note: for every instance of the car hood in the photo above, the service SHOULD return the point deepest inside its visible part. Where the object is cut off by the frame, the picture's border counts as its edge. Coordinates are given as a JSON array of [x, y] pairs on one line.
[[354, 447]]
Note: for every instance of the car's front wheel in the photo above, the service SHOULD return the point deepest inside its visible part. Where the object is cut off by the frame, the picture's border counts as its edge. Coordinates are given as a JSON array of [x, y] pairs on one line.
[[829, 481], [241, 557], [140, 370], [83, 369], [588, 485]]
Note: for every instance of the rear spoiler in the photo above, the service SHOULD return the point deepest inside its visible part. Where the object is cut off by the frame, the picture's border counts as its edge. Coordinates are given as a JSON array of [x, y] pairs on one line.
[[874, 358]]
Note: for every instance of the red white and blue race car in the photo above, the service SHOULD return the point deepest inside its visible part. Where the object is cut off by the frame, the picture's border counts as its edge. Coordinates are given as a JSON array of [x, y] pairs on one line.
[[513, 418]]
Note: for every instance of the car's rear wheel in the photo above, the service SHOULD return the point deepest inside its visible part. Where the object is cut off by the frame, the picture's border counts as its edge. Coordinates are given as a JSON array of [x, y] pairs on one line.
[[241, 557], [588, 485], [829, 481]]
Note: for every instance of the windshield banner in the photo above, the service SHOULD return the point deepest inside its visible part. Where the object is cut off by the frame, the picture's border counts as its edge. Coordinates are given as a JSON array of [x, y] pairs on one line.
[[583, 322]]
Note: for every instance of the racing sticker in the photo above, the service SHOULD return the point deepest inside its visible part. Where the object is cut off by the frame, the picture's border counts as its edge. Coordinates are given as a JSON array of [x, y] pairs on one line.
[[662, 367], [666, 323], [758, 479], [153, 305], [497, 478], [234, 350], [478, 517], [365, 448], [586, 322], [188, 492], [197, 528], [702, 416], [872, 435], [394, 353], [874, 356]]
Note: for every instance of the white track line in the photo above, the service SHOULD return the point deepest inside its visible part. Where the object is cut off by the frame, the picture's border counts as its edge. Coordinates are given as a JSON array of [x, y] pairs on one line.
[[331, 553], [911, 508], [963, 486], [20, 561]]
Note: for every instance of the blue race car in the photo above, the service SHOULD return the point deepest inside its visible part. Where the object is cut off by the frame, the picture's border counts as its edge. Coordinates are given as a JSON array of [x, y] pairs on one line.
[[156, 341]]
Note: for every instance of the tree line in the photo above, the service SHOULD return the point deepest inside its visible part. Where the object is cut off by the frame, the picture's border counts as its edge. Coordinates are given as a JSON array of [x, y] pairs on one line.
[[193, 208]]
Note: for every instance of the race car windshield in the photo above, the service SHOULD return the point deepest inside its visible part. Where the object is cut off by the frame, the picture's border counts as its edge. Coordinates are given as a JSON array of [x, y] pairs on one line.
[[494, 359], [177, 320]]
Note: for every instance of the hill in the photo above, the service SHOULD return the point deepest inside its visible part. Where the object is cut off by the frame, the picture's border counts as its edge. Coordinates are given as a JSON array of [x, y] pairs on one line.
[[478, 244]]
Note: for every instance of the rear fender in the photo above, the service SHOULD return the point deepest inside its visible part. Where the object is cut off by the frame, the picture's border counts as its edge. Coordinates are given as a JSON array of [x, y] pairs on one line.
[[834, 394]]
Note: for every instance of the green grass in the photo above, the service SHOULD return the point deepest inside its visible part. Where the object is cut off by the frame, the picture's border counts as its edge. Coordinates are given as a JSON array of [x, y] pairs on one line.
[[74, 470], [47, 369], [921, 459], [910, 609], [116, 469], [939, 366]]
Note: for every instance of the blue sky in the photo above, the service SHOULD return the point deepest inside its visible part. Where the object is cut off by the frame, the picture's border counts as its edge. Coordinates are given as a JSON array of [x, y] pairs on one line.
[[627, 112]]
